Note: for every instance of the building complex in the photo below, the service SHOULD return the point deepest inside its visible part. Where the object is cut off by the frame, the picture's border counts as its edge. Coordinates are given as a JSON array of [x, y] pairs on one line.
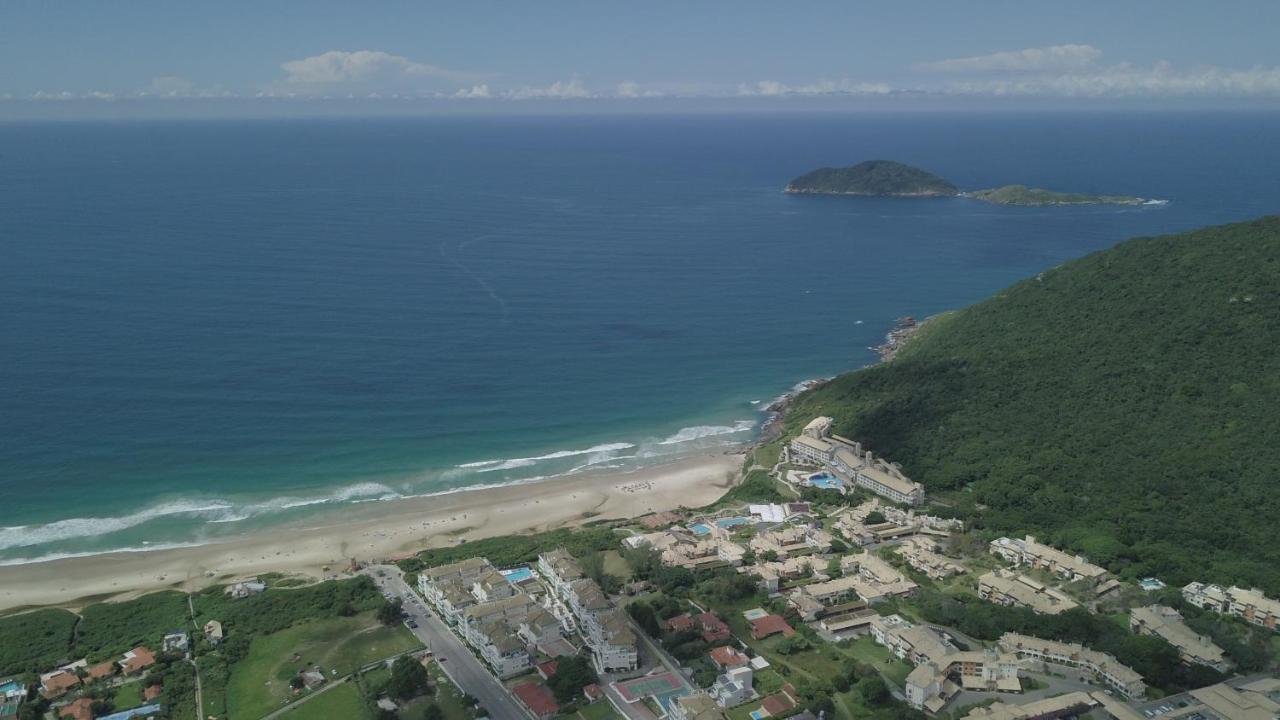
[[848, 461], [1249, 605]]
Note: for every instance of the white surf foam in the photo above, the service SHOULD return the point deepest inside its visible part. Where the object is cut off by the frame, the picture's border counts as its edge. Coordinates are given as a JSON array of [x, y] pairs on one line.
[[74, 528], [513, 463], [697, 432], [93, 553]]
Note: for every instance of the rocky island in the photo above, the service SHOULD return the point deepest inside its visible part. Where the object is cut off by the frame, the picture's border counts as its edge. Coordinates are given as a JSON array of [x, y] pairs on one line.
[[882, 178], [1023, 195], [886, 178]]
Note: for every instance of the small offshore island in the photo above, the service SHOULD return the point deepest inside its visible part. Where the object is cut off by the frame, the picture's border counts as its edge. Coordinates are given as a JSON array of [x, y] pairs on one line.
[[886, 178]]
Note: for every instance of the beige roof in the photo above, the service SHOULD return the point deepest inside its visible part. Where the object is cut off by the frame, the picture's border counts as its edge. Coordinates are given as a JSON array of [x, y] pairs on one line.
[[1025, 591], [469, 565], [1233, 704], [1099, 661], [1037, 709], [892, 480], [496, 607], [817, 444], [1167, 623]]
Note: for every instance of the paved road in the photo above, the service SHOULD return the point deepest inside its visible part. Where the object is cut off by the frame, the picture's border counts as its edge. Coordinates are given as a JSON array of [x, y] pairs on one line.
[[459, 664]]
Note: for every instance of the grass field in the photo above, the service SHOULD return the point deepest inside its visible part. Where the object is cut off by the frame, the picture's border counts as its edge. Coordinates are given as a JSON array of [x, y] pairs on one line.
[[127, 696], [259, 684], [342, 701], [601, 710], [448, 696]]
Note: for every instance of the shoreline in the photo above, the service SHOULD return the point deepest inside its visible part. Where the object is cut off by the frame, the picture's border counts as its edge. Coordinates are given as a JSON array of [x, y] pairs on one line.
[[325, 545]]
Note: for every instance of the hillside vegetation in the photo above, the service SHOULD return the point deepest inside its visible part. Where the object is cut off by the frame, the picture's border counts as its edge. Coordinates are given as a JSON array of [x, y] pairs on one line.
[[1123, 405], [873, 177]]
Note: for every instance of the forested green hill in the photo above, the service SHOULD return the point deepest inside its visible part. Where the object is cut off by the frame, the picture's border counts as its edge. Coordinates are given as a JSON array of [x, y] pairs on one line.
[[873, 177], [1126, 405]]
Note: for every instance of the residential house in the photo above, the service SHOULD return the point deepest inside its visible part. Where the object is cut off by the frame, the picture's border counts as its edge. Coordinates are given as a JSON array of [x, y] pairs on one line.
[[763, 627], [56, 683], [213, 632], [733, 687], [727, 657], [714, 630], [792, 541], [81, 709], [537, 698], [245, 588], [176, 642], [137, 660]]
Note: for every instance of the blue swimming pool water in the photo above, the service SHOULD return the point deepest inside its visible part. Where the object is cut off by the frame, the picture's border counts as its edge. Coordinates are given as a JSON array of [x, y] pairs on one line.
[[731, 522], [9, 687], [517, 575], [757, 715], [699, 529]]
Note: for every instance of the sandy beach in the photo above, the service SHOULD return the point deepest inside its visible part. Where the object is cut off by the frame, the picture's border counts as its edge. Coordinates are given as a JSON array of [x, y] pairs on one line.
[[374, 531]]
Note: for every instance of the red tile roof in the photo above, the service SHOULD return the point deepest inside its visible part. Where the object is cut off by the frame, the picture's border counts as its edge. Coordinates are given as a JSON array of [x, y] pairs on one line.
[[81, 709], [770, 625], [680, 622], [548, 669], [142, 658], [728, 657], [151, 693], [101, 670], [713, 628], [58, 684], [777, 705], [593, 692], [537, 698]]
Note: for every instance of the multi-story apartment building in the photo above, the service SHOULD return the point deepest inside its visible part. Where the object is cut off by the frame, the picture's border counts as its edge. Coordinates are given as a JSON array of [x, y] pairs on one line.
[[1166, 622], [941, 669], [921, 554], [1043, 557], [604, 628], [1249, 605], [1011, 589], [1103, 668]]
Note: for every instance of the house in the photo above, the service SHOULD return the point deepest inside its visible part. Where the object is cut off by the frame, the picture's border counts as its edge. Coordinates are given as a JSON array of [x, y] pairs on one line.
[[768, 625], [680, 623], [537, 698], [1101, 666], [714, 629], [727, 657], [55, 684], [176, 642], [137, 660], [547, 669], [1011, 589], [81, 709], [1249, 605], [695, 707], [733, 687], [1165, 622], [592, 692], [151, 693], [213, 632], [312, 679], [245, 588], [100, 671], [780, 704], [1043, 557]]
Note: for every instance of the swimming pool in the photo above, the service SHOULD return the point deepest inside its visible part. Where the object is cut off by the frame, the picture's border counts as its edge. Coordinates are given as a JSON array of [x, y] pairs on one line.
[[758, 715], [733, 521], [826, 481], [700, 529], [518, 575]]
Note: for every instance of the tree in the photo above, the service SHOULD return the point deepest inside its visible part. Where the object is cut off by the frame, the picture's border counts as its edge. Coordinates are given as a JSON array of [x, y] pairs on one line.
[[769, 556], [408, 678], [433, 712], [875, 517], [645, 617], [873, 691], [391, 611], [573, 672], [833, 568]]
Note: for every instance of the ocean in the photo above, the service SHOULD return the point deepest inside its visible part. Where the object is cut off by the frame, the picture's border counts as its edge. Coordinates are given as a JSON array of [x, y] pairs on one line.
[[208, 328]]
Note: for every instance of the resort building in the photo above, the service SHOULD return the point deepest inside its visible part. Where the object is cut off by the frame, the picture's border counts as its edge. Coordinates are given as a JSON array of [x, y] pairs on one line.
[[449, 587], [1098, 666], [1043, 557], [792, 541], [921, 554], [559, 568], [1250, 605], [941, 669], [493, 629], [703, 554], [773, 574], [1011, 589], [1166, 622], [847, 459], [1249, 698]]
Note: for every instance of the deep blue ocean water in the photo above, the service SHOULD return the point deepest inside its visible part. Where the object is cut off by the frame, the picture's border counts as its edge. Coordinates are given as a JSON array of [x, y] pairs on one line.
[[207, 327]]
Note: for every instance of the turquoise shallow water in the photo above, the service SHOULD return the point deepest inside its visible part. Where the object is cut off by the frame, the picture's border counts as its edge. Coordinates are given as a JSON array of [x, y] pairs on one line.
[[212, 327]]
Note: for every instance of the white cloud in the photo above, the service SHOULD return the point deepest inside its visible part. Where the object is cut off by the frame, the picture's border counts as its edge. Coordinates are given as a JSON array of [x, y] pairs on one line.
[[772, 88], [631, 90], [1052, 58], [170, 86], [559, 90], [362, 66], [474, 92], [1160, 80]]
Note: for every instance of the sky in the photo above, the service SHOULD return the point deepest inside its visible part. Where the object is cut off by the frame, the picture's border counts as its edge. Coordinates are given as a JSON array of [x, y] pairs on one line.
[[87, 57]]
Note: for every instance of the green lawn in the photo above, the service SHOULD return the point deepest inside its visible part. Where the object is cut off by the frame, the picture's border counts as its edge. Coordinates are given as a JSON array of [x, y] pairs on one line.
[[128, 696], [601, 710], [260, 682], [342, 701], [448, 696], [616, 566]]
